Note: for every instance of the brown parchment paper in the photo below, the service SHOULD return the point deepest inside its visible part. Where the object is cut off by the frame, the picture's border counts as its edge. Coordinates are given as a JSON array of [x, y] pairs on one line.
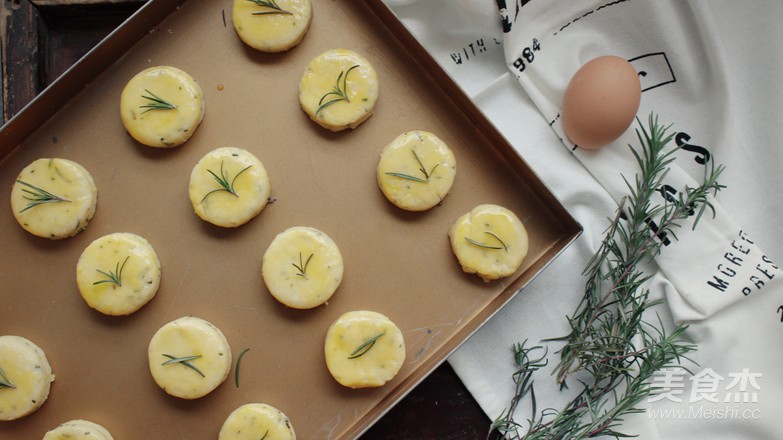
[[397, 263]]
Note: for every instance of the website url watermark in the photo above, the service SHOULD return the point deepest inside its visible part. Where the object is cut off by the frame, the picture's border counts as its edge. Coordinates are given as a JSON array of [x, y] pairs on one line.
[[705, 413]]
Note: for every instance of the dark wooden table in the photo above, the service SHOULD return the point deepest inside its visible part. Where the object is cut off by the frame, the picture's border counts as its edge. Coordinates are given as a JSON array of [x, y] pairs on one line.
[[42, 38]]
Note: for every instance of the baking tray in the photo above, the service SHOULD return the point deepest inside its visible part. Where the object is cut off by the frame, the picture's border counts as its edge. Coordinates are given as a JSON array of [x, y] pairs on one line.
[[398, 263]]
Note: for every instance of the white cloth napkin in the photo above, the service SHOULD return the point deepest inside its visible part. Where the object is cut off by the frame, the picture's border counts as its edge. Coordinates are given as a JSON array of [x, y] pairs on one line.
[[712, 70]]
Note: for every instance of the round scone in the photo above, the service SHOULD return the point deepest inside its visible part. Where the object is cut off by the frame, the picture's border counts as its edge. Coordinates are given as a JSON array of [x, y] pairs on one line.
[[25, 377], [302, 267], [54, 198], [162, 106], [228, 187], [118, 273], [364, 349], [272, 26], [339, 89], [489, 241], [416, 170], [189, 357], [79, 430], [255, 421]]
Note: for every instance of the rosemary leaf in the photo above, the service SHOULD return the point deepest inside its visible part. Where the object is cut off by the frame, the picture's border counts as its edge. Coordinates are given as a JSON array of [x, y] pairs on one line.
[[365, 347], [272, 4], [488, 246], [37, 196], [223, 181], [4, 382], [302, 268], [155, 103], [236, 370], [422, 168], [113, 277], [339, 91], [185, 360]]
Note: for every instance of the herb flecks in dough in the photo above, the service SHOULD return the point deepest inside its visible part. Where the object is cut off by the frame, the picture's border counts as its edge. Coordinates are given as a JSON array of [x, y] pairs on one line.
[[236, 370], [422, 168], [339, 92], [222, 180], [271, 4], [488, 246], [184, 361], [302, 267], [38, 196], [365, 347], [155, 103], [4, 382], [113, 277]]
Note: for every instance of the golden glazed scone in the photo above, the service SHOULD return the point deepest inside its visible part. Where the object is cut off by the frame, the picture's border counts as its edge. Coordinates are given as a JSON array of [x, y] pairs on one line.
[[302, 267], [189, 357], [118, 273], [272, 25], [416, 170], [79, 430], [162, 106], [489, 241], [339, 89], [228, 187], [25, 377], [54, 198], [364, 349], [255, 421]]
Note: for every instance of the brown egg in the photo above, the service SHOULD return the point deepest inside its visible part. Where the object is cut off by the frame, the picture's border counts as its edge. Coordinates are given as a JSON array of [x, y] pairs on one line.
[[601, 101]]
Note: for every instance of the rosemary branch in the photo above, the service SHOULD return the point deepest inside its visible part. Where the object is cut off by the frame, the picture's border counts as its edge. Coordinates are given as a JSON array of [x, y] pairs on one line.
[[155, 103], [185, 360], [609, 341], [4, 382], [365, 347], [222, 180], [113, 277], [37, 196], [272, 4], [339, 91]]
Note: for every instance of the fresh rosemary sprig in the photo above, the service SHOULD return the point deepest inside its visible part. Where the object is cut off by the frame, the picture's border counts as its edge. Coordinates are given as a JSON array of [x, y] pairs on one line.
[[365, 347], [113, 277], [272, 4], [222, 180], [302, 268], [423, 170], [339, 91], [37, 196], [155, 103], [4, 382], [616, 351], [488, 246], [185, 360], [236, 370]]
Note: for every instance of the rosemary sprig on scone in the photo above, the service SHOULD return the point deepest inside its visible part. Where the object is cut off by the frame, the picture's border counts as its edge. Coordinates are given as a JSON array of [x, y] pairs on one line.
[[365, 347], [37, 196], [423, 170], [616, 351], [185, 360], [155, 103], [113, 277], [302, 267], [4, 382], [339, 91], [488, 246], [223, 181], [271, 4]]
